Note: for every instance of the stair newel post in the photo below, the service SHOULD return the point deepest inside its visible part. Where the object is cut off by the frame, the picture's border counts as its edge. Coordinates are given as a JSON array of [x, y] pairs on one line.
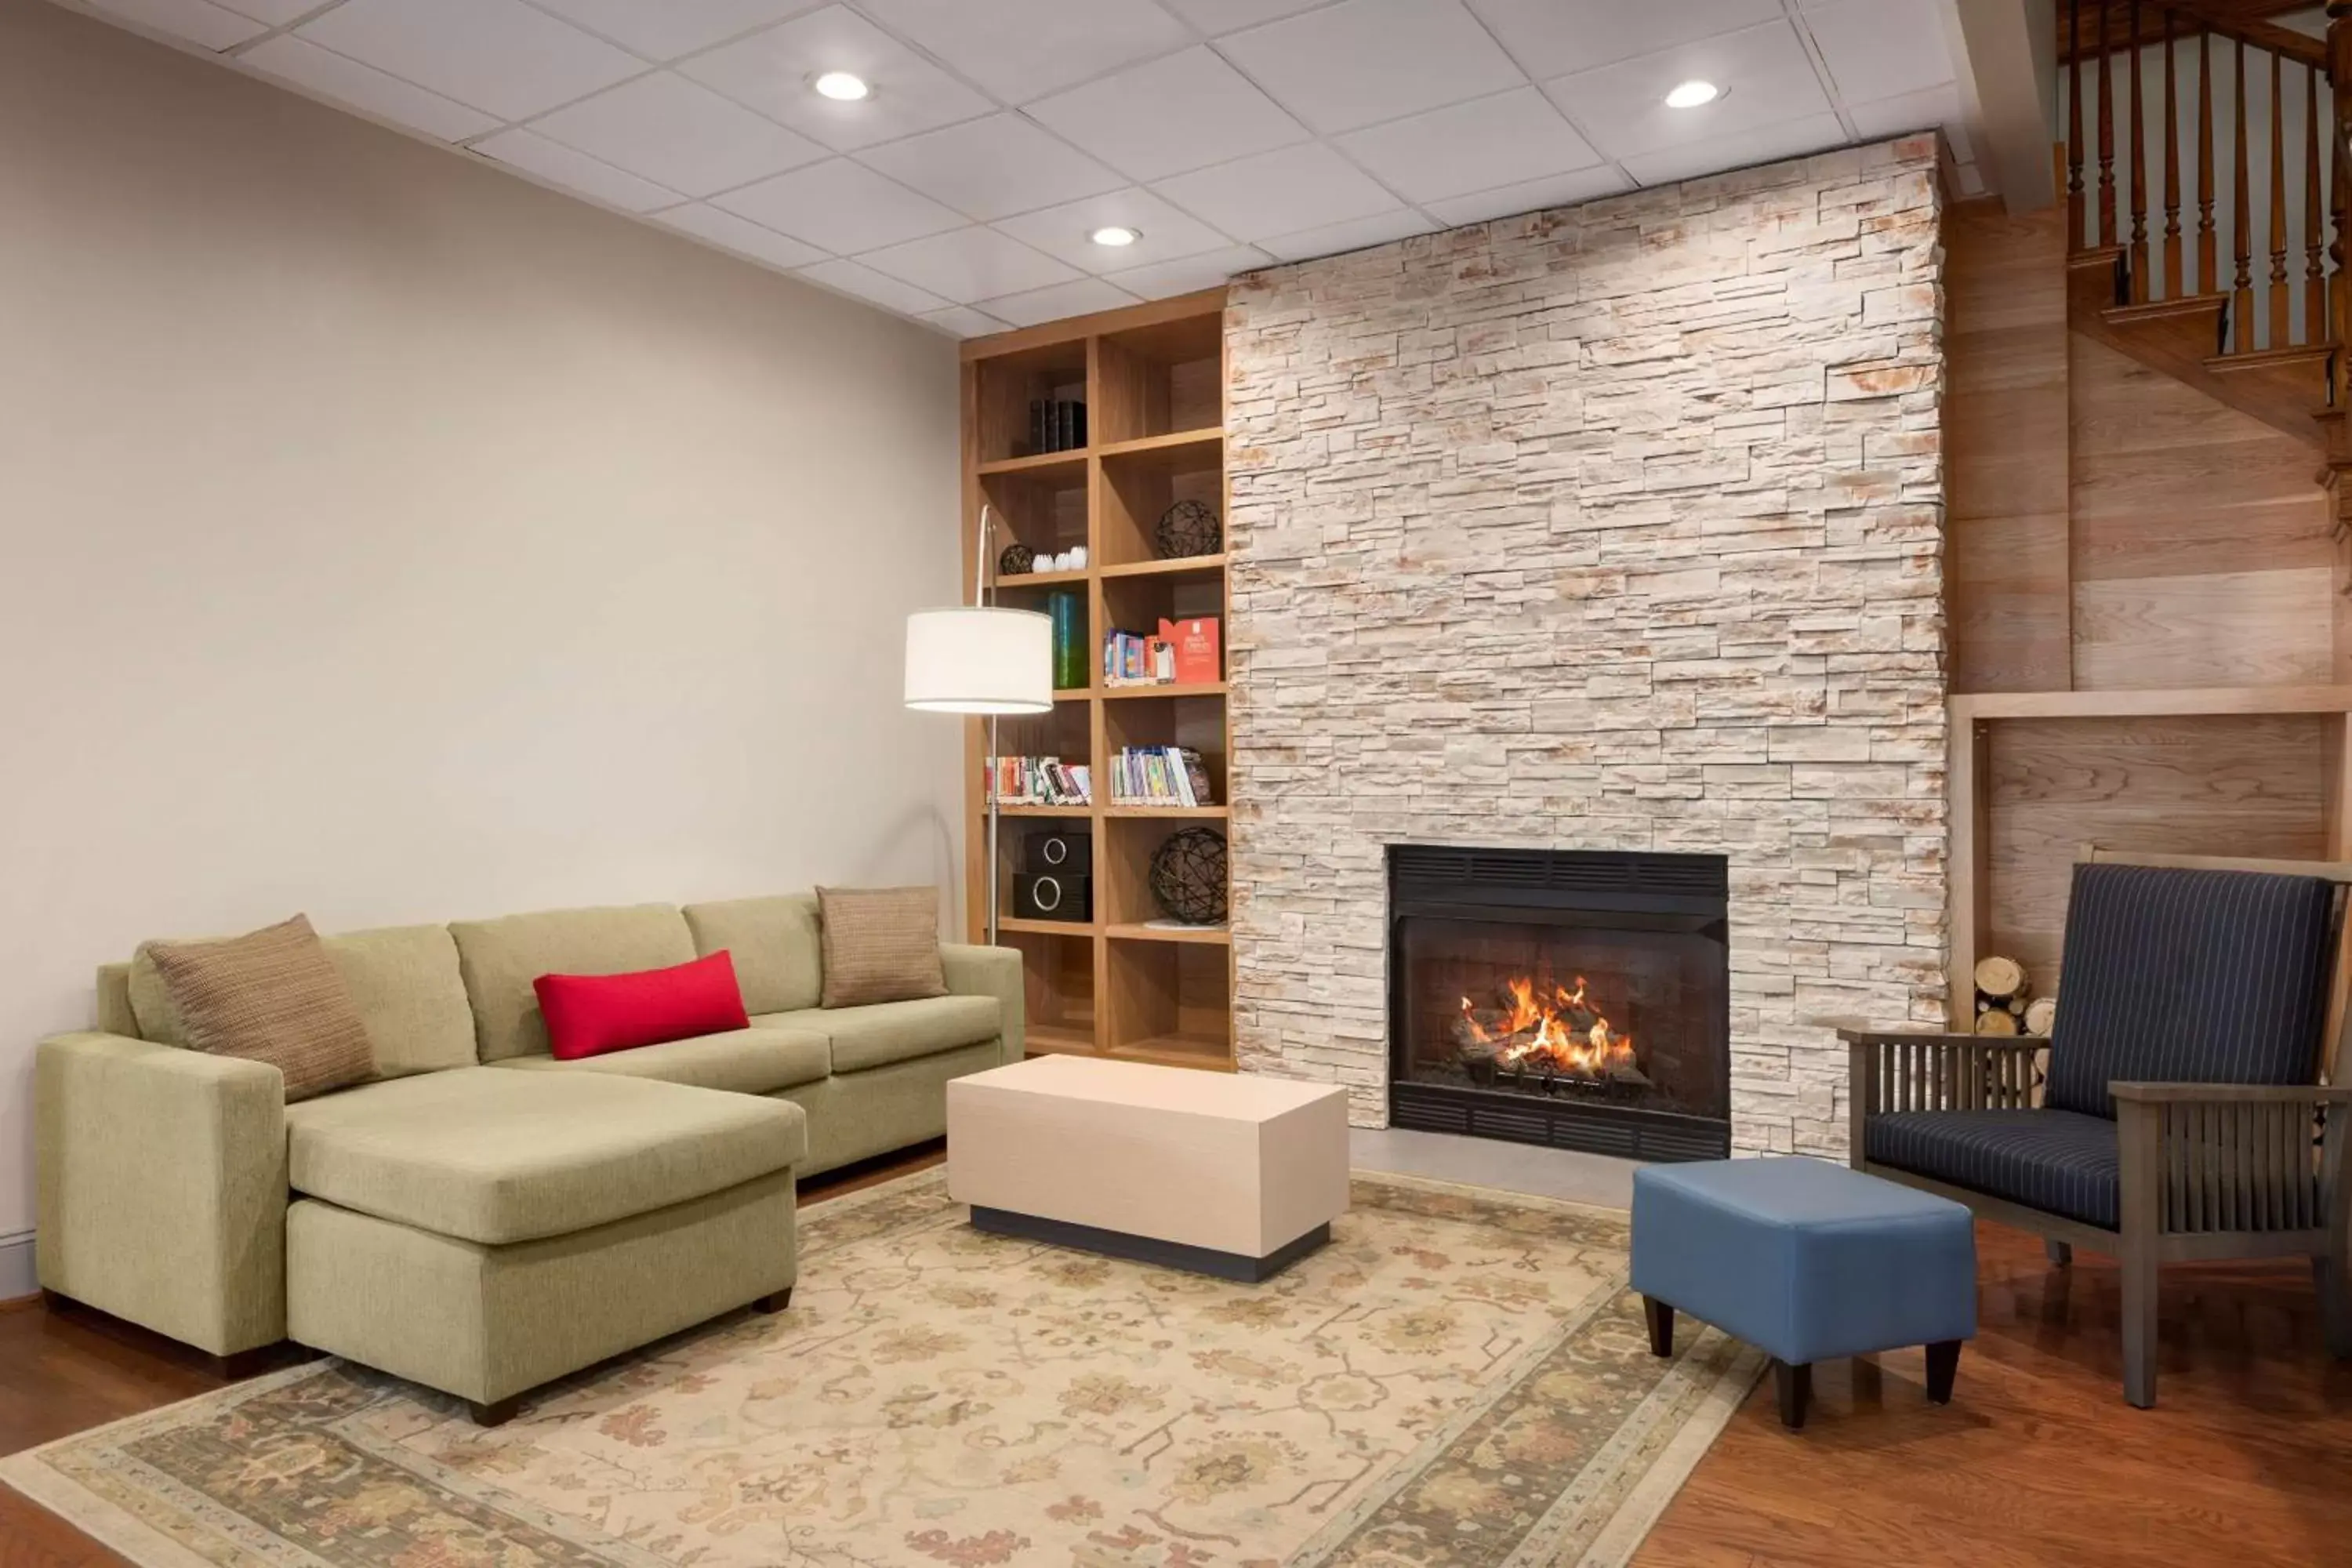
[[2139, 254], [2278, 300], [2106, 138], [2172, 285], [2315, 219], [2207, 264], [2076, 238], [2242, 238]]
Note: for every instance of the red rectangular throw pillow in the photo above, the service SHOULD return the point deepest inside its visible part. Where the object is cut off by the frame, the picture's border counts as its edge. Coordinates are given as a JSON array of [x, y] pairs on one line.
[[589, 1015]]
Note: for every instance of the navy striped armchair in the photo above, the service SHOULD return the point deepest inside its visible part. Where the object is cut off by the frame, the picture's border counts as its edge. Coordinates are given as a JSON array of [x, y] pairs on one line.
[[2181, 1115]]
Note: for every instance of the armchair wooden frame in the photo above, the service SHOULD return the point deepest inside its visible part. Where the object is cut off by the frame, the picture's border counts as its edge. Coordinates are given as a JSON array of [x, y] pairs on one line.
[[2207, 1172]]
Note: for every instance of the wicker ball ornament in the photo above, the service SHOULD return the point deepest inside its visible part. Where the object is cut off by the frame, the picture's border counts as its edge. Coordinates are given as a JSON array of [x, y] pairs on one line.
[[1016, 561], [1188, 876], [1187, 528]]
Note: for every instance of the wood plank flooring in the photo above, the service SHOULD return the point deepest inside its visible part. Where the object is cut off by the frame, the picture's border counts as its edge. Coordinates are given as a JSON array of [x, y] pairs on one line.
[[2247, 1460]]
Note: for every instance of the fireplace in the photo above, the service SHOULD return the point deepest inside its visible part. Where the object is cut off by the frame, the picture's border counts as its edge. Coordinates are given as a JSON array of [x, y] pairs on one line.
[[1575, 1000]]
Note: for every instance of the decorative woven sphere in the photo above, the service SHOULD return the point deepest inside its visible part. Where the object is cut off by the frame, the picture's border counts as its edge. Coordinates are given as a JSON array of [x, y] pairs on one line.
[[1188, 876], [1187, 528], [1017, 559]]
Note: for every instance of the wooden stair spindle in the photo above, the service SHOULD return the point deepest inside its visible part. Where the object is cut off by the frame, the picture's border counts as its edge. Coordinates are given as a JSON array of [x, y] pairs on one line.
[[2106, 138], [2241, 240], [2315, 220], [2208, 262], [2339, 297], [2076, 238], [2278, 300], [2173, 287], [2138, 252]]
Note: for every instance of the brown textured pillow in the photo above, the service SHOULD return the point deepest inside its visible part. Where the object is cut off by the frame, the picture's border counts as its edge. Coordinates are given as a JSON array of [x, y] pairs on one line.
[[881, 944], [271, 995]]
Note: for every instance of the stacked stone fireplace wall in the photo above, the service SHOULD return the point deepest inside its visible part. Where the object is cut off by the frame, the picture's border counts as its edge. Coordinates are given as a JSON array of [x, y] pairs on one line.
[[1616, 527]]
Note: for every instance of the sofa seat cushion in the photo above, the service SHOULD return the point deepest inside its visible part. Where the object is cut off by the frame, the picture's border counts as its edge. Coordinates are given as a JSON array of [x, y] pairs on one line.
[[740, 1061], [2059, 1162], [494, 1157], [881, 1033]]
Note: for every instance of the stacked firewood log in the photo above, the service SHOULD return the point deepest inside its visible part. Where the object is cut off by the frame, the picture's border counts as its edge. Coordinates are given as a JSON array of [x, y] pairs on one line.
[[2005, 1004]]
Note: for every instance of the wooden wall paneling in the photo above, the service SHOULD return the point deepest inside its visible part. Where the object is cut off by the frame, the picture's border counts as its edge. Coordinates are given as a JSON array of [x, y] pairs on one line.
[[2006, 440], [2200, 552], [2245, 785], [1968, 897]]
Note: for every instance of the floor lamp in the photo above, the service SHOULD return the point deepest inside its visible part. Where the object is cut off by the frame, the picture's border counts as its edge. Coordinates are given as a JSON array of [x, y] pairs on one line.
[[985, 660]]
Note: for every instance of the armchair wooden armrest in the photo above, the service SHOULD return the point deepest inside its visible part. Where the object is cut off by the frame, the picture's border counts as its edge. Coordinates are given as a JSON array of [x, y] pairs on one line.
[[2026, 1044], [1892, 1071], [2208, 1159], [2232, 1093]]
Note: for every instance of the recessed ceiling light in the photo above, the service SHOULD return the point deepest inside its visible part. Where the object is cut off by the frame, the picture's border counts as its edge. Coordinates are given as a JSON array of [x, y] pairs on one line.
[[1691, 94], [842, 86], [1115, 234]]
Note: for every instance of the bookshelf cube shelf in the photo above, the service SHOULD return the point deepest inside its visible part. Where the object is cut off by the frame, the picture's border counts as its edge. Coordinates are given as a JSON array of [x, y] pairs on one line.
[[1124, 984]]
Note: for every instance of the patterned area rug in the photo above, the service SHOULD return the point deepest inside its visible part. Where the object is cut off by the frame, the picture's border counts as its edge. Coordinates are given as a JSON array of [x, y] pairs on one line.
[[1461, 1377]]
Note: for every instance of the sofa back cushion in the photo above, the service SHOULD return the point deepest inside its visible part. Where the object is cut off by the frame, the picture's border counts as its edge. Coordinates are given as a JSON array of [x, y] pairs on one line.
[[500, 959], [2173, 975], [403, 979], [777, 944], [270, 996]]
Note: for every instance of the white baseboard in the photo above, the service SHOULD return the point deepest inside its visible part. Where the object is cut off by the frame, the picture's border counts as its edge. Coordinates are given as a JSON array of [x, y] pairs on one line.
[[16, 1266]]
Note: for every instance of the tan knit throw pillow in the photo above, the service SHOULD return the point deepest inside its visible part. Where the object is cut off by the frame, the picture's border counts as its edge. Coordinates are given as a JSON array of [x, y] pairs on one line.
[[881, 944], [272, 996]]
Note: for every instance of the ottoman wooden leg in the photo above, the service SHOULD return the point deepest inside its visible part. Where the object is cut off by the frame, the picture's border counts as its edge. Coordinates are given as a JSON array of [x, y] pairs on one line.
[[1943, 1363], [2060, 1253], [1662, 1325], [778, 1301], [1796, 1389], [496, 1414]]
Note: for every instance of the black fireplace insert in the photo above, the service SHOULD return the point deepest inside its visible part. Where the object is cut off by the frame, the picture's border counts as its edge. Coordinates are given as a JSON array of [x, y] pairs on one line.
[[1574, 999]]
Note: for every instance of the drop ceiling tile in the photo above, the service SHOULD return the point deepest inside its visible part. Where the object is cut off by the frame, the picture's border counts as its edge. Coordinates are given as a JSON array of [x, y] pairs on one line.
[[1505, 139], [498, 56], [1766, 76], [363, 88], [1215, 16], [842, 206], [200, 22], [963, 321], [992, 168], [560, 166], [1184, 111], [1337, 238], [677, 133], [967, 265], [1367, 60], [870, 286], [277, 13], [1555, 37], [665, 29], [739, 235], [1062, 232], [1020, 49], [1878, 48], [1532, 195], [771, 70], [1204, 271], [1279, 192], [1738, 149], [1933, 107], [1060, 302]]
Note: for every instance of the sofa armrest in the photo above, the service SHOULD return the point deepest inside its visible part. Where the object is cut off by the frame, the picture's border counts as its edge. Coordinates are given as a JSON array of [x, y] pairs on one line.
[[992, 971], [161, 1177]]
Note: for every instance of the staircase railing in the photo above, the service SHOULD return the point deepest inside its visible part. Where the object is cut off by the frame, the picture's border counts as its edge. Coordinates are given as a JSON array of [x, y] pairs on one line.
[[2261, 231]]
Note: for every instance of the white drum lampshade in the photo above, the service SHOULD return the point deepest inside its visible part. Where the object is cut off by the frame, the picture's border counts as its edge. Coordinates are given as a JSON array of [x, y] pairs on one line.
[[968, 660]]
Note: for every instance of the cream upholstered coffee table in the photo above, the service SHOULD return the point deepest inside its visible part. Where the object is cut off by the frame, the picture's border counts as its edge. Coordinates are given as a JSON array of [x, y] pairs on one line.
[[1224, 1175]]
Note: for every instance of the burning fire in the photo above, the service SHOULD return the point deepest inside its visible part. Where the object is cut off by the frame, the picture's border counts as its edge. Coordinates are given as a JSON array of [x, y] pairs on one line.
[[1562, 1031]]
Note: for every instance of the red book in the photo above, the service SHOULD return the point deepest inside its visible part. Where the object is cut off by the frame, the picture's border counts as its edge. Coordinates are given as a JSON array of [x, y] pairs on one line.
[[1195, 642]]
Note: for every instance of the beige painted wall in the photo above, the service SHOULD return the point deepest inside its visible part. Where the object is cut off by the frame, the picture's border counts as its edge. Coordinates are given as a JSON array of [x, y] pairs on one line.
[[389, 539]]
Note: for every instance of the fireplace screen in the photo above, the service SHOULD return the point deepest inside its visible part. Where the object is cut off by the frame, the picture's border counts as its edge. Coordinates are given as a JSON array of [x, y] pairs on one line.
[[1577, 1000]]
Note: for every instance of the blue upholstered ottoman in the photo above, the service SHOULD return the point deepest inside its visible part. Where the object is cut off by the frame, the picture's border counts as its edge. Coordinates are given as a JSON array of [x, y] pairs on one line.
[[1805, 1260]]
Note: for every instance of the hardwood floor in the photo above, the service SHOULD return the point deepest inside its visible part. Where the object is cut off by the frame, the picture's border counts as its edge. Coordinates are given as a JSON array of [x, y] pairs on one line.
[[2246, 1460]]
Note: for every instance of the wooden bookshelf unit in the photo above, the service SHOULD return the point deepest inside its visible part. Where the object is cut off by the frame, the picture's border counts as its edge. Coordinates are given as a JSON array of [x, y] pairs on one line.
[[1152, 378]]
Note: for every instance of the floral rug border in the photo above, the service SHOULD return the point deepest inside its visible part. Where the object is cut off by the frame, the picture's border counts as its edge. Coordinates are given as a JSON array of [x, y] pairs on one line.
[[1599, 1521]]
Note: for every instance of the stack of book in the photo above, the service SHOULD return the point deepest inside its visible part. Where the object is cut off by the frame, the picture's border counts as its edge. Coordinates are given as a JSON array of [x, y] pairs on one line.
[[1056, 426], [1158, 775], [1183, 653], [1041, 781]]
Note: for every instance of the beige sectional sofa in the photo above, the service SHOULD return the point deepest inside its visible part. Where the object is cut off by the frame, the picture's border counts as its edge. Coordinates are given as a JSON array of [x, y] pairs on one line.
[[482, 1218]]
